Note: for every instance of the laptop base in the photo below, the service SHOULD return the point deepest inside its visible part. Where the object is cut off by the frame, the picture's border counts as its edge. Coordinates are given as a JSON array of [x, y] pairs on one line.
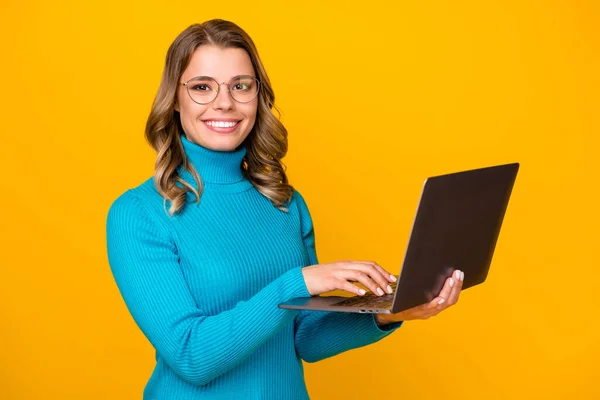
[[326, 303]]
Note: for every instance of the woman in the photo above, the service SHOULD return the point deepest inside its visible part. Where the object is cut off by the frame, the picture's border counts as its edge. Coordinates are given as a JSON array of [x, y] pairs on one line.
[[205, 250]]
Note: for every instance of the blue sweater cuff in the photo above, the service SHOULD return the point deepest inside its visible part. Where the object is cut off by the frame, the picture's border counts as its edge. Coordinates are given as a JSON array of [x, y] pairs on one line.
[[295, 283]]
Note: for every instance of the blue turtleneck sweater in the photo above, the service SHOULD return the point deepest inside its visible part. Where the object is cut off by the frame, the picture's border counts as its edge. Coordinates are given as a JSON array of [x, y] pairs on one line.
[[204, 285]]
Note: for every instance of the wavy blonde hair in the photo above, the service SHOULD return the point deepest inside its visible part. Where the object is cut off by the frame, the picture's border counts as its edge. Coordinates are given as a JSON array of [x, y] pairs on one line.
[[266, 144]]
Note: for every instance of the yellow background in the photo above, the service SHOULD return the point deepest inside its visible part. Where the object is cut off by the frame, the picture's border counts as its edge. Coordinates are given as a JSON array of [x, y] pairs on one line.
[[376, 97]]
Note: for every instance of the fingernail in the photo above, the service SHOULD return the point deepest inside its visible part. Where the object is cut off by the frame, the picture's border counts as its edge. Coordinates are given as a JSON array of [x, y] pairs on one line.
[[451, 282], [393, 278], [362, 291], [462, 276], [389, 289], [441, 301], [380, 291], [457, 274]]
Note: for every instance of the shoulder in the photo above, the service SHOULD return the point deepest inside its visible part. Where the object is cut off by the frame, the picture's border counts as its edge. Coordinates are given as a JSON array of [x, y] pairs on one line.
[[124, 211], [131, 198], [139, 201], [299, 205], [132, 221], [297, 200]]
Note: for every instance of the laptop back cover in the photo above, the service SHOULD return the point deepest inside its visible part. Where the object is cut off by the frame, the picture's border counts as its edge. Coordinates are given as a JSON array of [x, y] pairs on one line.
[[456, 227]]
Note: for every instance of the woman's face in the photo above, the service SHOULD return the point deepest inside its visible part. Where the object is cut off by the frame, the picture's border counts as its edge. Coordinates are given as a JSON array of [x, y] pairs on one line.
[[199, 120]]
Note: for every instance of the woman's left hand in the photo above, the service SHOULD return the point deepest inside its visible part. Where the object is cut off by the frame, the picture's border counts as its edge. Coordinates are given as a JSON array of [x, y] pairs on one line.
[[447, 297]]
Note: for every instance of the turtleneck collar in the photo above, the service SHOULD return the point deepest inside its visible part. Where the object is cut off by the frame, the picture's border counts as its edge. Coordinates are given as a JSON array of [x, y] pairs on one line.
[[215, 167]]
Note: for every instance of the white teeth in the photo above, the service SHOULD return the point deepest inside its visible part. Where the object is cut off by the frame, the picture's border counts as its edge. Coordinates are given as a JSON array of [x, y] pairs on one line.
[[221, 124]]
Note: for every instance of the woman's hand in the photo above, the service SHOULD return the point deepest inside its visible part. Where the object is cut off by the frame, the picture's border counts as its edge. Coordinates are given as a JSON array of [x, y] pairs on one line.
[[447, 297], [338, 275]]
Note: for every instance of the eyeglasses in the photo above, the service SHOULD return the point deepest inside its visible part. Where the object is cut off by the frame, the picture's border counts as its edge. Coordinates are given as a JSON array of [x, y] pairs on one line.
[[204, 89]]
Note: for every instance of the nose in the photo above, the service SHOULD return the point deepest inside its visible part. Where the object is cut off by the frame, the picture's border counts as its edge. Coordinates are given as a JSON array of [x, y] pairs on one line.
[[223, 100]]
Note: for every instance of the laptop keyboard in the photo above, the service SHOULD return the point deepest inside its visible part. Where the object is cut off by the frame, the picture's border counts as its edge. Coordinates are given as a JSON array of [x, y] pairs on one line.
[[369, 300]]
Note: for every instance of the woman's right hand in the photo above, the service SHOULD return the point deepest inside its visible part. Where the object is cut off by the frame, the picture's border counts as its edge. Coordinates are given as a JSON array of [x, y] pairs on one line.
[[323, 278]]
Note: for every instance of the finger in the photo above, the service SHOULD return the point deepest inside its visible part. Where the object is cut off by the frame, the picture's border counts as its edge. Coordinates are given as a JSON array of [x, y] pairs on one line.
[[435, 307], [386, 274], [431, 308], [427, 310], [348, 287], [374, 273], [437, 304], [359, 276], [447, 288], [459, 279]]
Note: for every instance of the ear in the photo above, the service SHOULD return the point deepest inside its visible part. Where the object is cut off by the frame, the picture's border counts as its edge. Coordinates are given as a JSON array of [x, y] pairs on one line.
[[176, 106]]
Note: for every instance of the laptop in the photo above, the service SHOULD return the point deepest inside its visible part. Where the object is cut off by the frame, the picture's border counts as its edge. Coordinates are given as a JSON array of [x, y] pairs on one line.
[[456, 226]]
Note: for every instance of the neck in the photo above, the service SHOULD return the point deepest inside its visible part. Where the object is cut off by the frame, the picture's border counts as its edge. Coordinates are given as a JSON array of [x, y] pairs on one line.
[[215, 167]]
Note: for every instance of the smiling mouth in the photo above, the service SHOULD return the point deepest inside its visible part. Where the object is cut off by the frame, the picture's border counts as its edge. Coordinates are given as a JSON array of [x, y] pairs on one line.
[[222, 124]]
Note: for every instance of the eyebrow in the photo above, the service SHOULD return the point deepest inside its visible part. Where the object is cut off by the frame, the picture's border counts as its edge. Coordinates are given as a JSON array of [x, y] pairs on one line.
[[211, 77]]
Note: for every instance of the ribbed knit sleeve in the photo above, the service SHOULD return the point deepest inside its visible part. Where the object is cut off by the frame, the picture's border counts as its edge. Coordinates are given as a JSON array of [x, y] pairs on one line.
[[144, 261], [318, 334]]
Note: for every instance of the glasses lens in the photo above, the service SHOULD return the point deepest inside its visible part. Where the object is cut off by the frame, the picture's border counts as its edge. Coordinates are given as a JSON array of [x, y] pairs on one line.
[[244, 88], [202, 89]]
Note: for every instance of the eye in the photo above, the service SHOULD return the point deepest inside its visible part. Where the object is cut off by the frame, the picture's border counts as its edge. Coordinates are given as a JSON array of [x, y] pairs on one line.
[[243, 85], [201, 87]]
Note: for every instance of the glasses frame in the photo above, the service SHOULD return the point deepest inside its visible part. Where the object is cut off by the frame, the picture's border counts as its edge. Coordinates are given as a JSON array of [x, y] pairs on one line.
[[186, 84]]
